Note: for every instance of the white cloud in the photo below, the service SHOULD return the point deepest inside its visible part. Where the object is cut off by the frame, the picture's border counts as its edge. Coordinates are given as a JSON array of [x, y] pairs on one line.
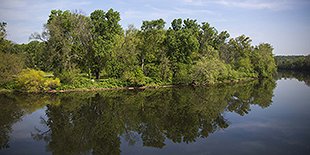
[[25, 17], [250, 4], [273, 5]]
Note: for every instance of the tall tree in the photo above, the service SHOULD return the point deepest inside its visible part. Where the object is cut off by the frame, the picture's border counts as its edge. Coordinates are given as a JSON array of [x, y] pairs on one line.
[[105, 29], [263, 60], [128, 51], [207, 41], [152, 37], [34, 53], [10, 63], [240, 50], [181, 42], [5, 45], [2, 30], [67, 37]]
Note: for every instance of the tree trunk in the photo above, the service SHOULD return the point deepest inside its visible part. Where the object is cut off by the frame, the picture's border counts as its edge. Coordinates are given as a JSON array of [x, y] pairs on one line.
[[97, 74], [142, 64]]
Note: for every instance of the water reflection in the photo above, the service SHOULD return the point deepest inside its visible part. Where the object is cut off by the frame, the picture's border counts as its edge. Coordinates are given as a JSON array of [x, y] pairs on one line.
[[93, 123], [300, 76], [13, 107]]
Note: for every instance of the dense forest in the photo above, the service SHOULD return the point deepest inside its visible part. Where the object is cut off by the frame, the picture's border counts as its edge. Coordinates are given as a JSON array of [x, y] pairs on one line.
[[79, 51], [298, 63]]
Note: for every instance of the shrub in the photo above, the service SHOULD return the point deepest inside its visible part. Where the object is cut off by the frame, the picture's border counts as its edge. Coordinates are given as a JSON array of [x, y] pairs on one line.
[[35, 80], [135, 78], [209, 71], [111, 83], [82, 82], [68, 77]]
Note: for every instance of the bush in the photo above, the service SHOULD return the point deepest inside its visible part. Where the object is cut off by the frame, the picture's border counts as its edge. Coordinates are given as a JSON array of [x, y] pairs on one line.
[[111, 83], [210, 71], [35, 80], [82, 82], [68, 77], [135, 78]]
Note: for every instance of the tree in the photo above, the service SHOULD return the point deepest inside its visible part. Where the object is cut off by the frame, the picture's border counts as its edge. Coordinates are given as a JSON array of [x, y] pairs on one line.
[[239, 54], [2, 30], [181, 42], [299, 63], [208, 45], [128, 56], [151, 48], [11, 64], [34, 54], [263, 60], [67, 38], [209, 71], [5, 45], [223, 46], [105, 29]]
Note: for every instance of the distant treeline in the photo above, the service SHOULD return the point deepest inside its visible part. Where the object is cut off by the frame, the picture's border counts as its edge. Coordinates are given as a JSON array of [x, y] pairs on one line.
[[73, 44], [300, 63]]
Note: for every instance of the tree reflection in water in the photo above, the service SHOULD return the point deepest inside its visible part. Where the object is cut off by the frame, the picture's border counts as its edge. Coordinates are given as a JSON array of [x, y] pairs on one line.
[[13, 107], [86, 122]]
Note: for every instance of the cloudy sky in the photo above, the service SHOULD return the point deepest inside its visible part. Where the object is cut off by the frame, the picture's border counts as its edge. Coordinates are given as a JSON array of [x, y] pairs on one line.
[[283, 23]]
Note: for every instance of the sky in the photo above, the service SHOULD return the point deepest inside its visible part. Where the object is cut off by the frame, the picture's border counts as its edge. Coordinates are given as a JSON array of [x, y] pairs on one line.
[[285, 24]]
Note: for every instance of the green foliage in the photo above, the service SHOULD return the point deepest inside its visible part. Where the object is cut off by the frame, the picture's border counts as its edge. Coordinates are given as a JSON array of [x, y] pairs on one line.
[[165, 70], [298, 63], [239, 53], [35, 80], [2, 30], [210, 71], [263, 60], [135, 77], [34, 54], [86, 83], [181, 74], [105, 28], [79, 82], [69, 76], [181, 44], [152, 36], [77, 47], [10, 66], [66, 38]]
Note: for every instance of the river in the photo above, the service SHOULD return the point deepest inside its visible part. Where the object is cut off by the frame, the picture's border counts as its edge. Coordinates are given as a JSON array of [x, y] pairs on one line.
[[258, 117]]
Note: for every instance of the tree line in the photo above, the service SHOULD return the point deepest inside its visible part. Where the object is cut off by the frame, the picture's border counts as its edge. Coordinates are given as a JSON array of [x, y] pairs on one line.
[[298, 63], [97, 47]]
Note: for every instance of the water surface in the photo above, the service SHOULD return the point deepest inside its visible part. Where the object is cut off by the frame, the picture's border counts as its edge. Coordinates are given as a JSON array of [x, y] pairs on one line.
[[259, 117]]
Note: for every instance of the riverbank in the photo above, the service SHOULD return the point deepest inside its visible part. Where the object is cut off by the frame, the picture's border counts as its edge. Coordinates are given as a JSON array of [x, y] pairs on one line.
[[94, 89]]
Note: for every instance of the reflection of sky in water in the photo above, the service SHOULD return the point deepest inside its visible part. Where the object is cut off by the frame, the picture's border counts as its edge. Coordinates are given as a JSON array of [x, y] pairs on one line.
[[282, 128], [21, 136]]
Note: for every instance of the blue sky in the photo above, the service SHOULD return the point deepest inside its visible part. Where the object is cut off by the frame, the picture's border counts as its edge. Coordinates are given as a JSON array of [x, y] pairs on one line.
[[283, 23]]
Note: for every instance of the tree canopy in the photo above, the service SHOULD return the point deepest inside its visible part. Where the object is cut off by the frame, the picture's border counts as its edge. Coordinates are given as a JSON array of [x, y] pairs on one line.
[[73, 45], [299, 63]]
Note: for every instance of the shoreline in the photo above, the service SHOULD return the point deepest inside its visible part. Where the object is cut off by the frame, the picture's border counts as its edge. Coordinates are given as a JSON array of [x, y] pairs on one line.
[[107, 89], [127, 88]]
